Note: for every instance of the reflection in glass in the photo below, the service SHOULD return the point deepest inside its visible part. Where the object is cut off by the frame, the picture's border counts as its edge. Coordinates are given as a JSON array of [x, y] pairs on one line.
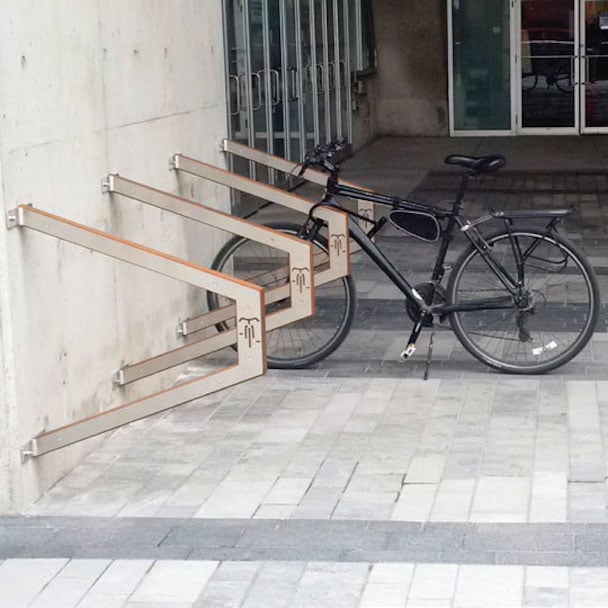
[[481, 51], [596, 64], [547, 63]]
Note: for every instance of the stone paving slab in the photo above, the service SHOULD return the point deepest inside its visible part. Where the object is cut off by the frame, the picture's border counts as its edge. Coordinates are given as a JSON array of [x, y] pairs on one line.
[[269, 584], [482, 449], [566, 544]]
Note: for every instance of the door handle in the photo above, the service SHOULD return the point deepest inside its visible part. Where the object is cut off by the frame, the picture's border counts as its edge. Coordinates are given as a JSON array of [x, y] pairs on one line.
[[585, 78], [233, 79], [292, 90], [256, 76], [275, 87], [320, 78]]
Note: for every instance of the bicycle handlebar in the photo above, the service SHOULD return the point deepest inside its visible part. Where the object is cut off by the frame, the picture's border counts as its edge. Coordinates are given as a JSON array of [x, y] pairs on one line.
[[326, 157]]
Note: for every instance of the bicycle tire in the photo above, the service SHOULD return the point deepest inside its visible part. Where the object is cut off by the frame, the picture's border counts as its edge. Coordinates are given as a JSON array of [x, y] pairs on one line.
[[302, 343], [565, 297]]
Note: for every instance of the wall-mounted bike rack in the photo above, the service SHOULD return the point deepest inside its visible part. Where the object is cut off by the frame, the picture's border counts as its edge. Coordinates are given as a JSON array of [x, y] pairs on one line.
[[337, 221], [248, 334], [366, 209], [298, 285]]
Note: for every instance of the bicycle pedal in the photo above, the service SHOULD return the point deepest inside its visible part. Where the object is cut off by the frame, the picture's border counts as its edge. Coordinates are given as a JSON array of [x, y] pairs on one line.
[[410, 349]]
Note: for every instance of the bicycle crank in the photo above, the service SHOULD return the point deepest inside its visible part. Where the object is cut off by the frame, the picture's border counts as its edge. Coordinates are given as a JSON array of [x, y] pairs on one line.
[[431, 294]]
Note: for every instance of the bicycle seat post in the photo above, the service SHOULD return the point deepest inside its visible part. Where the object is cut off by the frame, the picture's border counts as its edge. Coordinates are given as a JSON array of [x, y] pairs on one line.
[[462, 189]]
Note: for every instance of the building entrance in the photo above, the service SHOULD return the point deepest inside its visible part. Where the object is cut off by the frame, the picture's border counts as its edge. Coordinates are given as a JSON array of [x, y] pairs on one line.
[[528, 66]]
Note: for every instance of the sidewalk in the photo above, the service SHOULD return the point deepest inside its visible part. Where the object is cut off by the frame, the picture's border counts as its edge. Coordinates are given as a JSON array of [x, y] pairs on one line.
[[355, 483]]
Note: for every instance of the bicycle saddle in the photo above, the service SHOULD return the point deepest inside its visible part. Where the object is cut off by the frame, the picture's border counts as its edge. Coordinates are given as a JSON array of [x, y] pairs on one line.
[[479, 164]]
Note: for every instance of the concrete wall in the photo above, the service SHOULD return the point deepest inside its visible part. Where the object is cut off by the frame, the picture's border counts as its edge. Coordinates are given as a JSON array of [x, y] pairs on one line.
[[365, 118], [412, 94], [89, 88]]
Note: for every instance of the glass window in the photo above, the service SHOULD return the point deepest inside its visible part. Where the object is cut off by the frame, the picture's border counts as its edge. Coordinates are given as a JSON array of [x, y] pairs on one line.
[[361, 36], [481, 65]]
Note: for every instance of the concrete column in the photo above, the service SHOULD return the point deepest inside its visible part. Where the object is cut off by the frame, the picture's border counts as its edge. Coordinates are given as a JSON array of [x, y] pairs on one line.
[[91, 88]]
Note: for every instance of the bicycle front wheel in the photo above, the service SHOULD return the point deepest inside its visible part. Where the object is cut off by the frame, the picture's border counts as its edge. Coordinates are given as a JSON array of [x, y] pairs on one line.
[[556, 313], [304, 342]]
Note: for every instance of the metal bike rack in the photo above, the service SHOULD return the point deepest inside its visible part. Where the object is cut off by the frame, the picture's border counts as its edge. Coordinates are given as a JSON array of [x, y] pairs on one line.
[[298, 274], [337, 221], [249, 333], [365, 209]]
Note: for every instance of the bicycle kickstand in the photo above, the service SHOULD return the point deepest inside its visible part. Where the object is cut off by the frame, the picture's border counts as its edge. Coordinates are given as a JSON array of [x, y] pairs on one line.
[[410, 349], [429, 355]]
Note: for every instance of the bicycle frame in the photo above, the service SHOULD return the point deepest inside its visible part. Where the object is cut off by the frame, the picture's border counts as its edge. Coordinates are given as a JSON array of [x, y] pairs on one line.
[[455, 219]]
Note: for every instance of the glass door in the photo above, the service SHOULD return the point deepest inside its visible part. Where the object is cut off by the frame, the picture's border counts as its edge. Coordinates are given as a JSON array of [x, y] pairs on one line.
[[594, 66], [290, 114], [238, 86], [287, 76], [548, 67], [480, 66]]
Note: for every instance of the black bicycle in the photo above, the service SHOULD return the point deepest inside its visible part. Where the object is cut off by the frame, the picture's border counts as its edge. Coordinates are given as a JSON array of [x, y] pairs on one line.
[[520, 299]]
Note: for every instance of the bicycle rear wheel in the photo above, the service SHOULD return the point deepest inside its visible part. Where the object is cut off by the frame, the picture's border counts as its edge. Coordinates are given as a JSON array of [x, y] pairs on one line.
[[304, 342], [562, 303]]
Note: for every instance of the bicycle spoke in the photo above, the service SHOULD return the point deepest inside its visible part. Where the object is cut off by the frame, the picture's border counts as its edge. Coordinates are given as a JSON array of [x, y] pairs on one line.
[[306, 341], [562, 306]]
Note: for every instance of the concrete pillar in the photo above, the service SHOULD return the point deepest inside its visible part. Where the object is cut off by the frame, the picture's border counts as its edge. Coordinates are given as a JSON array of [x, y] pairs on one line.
[[89, 88]]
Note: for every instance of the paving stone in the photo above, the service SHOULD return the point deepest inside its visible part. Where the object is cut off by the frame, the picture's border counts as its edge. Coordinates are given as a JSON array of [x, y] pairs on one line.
[[543, 577], [362, 483], [549, 499], [191, 493], [586, 453], [24, 536], [453, 500], [197, 533], [392, 574], [481, 586], [336, 585], [221, 594], [593, 540], [328, 534], [173, 581], [222, 504], [415, 502], [501, 499], [332, 554], [274, 512], [228, 585], [546, 598], [588, 587], [430, 536], [22, 580], [274, 585], [71, 584], [95, 538], [318, 503], [426, 468], [509, 537], [116, 584], [587, 502], [433, 581], [386, 595]]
